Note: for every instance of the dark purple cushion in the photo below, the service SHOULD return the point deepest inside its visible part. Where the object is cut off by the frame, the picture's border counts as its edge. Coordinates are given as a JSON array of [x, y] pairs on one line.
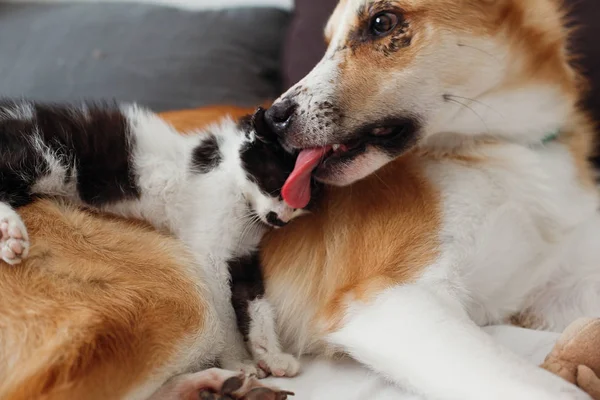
[[586, 14], [305, 44]]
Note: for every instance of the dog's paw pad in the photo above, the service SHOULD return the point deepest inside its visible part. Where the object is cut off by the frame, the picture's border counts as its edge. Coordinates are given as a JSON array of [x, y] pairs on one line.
[[239, 387]]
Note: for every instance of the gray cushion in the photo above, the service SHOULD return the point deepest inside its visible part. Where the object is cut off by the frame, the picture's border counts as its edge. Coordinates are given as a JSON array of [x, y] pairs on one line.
[[161, 57]]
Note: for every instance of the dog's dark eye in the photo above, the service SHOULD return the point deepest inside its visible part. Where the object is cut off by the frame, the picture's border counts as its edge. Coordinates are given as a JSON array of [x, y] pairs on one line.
[[383, 23]]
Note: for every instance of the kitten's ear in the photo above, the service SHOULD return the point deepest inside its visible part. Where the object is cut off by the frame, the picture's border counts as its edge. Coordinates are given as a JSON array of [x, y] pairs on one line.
[[261, 128]]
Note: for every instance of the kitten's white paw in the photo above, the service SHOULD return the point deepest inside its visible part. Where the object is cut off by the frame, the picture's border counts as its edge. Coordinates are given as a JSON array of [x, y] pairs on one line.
[[14, 241], [279, 364]]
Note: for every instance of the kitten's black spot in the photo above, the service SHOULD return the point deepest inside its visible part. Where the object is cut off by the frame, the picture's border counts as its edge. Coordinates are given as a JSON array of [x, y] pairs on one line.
[[97, 142], [20, 164], [265, 161], [206, 156], [246, 285], [94, 141]]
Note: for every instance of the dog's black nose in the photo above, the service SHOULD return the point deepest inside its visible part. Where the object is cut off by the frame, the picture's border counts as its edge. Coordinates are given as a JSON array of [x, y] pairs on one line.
[[279, 117]]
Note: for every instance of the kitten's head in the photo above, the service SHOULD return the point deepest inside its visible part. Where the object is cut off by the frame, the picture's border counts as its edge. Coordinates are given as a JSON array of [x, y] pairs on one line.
[[267, 166]]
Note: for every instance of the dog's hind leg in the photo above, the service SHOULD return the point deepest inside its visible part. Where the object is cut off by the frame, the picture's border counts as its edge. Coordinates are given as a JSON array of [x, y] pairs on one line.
[[101, 309], [421, 338]]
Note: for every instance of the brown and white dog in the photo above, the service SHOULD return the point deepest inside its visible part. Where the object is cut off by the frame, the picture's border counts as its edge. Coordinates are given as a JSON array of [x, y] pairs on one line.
[[466, 199], [488, 213]]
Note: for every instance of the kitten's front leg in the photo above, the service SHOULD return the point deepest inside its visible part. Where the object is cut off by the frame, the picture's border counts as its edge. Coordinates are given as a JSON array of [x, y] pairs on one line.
[[256, 317], [14, 241], [264, 342], [234, 356]]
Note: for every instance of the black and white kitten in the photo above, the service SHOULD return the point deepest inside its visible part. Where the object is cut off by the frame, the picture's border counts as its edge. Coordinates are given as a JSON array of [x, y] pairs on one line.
[[218, 191]]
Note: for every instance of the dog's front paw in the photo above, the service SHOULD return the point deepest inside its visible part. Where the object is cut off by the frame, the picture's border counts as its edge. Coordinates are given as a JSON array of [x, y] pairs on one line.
[[279, 364], [14, 241]]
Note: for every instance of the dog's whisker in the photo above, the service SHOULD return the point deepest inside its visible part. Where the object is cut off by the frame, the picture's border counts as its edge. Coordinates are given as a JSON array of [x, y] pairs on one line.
[[472, 110], [480, 50], [475, 101]]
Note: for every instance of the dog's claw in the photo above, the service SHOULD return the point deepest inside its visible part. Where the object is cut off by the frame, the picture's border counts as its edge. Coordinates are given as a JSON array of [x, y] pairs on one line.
[[239, 387], [207, 395], [284, 394], [260, 394], [263, 393], [232, 384]]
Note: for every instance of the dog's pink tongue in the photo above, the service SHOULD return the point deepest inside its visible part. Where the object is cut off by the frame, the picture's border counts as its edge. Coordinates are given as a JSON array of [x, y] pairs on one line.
[[296, 191]]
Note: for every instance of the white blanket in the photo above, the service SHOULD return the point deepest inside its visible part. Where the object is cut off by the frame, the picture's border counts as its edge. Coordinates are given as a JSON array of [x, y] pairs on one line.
[[346, 380]]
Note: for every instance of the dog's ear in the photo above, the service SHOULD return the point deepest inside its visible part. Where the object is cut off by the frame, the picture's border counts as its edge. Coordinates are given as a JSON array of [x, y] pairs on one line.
[[262, 130]]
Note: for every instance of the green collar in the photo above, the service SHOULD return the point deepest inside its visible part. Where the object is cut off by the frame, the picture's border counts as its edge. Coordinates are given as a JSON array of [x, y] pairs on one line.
[[551, 137]]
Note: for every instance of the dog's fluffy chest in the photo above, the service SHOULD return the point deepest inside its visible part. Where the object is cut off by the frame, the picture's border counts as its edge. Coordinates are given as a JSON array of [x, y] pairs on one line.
[[505, 219]]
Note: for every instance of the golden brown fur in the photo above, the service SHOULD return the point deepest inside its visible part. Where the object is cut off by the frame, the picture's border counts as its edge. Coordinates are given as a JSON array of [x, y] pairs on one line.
[[98, 303], [365, 238]]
